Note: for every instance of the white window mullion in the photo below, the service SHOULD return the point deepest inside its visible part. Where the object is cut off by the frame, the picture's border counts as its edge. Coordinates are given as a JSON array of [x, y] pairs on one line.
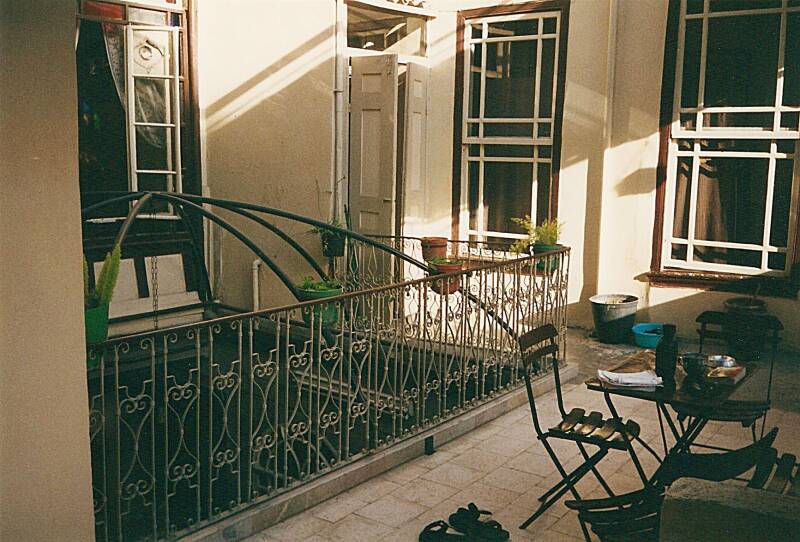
[[468, 90], [701, 85], [794, 219], [482, 102], [176, 107], [693, 202], [130, 110], [669, 201], [773, 148], [481, 208], [555, 79]]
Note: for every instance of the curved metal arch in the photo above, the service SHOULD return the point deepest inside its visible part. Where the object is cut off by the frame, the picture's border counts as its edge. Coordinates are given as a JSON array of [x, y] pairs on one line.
[[236, 233], [85, 212], [283, 235], [128, 196], [242, 208], [312, 222]]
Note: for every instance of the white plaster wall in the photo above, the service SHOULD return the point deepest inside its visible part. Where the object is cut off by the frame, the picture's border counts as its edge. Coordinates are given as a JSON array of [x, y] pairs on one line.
[[268, 138], [265, 77], [45, 469], [609, 155]]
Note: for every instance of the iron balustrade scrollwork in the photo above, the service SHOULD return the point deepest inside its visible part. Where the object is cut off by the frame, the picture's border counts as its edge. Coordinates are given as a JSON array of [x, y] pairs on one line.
[[191, 424]]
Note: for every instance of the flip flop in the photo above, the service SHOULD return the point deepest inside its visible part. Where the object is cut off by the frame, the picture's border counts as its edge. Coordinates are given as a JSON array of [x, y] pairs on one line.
[[467, 520], [437, 531]]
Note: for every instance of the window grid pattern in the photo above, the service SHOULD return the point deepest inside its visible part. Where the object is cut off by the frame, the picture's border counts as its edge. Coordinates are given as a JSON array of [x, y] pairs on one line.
[[700, 132], [153, 30], [486, 138]]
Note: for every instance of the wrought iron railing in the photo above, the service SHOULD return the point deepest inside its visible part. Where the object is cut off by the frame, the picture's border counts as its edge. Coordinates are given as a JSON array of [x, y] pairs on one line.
[[191, 424]]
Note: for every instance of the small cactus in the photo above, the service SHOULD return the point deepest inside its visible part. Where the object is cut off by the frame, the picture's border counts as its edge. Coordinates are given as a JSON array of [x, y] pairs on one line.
[[103, 291]]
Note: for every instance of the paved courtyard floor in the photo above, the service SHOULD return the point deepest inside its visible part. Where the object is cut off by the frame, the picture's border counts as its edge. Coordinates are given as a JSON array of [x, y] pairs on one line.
[[503, 468]]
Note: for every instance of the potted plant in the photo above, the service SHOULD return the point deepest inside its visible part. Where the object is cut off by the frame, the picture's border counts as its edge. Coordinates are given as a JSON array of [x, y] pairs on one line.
[[97, 297], [441, 266], [332, 241], [546, 236], [310, 290], [434, 247], [540, 238]]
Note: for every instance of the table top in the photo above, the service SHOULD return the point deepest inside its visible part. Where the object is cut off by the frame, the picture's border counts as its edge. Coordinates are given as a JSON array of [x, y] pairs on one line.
[[679, 395]]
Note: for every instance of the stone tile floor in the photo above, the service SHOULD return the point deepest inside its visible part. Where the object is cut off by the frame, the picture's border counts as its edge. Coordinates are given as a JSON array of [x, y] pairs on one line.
[[503, 468]]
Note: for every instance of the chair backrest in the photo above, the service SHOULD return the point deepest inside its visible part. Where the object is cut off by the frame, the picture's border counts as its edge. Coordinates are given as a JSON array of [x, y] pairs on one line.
[[536, 346], [633, 517]]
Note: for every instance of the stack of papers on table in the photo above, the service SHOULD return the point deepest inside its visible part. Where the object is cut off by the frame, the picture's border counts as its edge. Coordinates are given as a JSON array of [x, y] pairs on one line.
[[643, 380]]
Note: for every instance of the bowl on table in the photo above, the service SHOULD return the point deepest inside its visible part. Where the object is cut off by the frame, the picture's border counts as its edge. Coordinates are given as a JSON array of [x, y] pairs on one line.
[[647, 335], [722, 361]]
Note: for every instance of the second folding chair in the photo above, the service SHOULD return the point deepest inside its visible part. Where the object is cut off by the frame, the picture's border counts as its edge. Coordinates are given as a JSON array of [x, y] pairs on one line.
[[539, 346]]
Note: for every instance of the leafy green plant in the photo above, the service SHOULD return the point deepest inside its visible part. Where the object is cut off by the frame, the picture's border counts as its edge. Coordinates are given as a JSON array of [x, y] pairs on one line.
[[323, 232], [434, 262], [319, 285], [548, 232], [444, 261], [521, 245], [103, 291]]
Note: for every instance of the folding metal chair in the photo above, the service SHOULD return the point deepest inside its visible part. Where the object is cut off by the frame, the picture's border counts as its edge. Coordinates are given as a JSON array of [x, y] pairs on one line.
[[721, 325], [536, 346], [635, 516]]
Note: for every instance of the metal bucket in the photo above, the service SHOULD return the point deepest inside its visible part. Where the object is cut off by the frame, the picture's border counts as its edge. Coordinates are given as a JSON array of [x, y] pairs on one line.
[[613, 316]]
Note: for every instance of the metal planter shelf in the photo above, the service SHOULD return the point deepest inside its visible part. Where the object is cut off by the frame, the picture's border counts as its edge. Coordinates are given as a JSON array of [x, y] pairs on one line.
[[193, 423]]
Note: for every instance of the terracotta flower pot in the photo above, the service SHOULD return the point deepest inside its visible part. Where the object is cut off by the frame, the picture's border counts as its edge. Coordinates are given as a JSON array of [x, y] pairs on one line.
[[434, 247], [448, 285]]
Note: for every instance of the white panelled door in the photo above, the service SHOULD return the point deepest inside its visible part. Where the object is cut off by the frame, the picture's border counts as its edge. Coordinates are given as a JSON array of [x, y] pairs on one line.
[[414, 148], [373, 143]]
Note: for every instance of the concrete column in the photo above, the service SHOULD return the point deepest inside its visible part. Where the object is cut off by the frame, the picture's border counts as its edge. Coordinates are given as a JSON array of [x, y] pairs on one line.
[[45, 468]]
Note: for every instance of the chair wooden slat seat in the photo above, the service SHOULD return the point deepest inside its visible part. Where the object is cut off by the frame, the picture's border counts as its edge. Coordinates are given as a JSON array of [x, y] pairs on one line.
[[571, 420], [596, 430]]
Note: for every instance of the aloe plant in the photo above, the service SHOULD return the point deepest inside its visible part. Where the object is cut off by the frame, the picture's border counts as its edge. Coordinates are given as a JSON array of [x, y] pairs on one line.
[[103, 291]]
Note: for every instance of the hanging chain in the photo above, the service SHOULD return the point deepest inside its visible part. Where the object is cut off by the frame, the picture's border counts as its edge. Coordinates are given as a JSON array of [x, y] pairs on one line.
[[154, 293]]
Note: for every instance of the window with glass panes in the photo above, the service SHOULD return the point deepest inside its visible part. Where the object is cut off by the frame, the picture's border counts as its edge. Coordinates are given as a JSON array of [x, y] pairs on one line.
[[732, 192], [132, 99], [509, 113]]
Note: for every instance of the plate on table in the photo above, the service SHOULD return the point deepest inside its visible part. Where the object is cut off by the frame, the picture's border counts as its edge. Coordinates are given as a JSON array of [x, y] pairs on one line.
[[724, 370]]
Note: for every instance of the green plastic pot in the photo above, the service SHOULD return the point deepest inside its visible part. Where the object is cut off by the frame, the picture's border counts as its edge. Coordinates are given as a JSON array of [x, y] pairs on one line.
[[327, 312], [96, 321], [540, 265], [332, 245]]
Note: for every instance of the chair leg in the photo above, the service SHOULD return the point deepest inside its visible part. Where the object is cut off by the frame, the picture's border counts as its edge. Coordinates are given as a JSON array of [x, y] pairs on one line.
[[596, 473], [567, 483]]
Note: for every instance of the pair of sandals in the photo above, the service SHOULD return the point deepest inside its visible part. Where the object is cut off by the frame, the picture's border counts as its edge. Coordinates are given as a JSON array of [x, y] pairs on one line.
[[469, 526]]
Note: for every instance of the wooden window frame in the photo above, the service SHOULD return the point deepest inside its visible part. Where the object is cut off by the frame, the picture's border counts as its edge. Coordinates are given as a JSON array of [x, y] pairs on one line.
[[183, 88], [787, 286], [528, 7], [154, 234]]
